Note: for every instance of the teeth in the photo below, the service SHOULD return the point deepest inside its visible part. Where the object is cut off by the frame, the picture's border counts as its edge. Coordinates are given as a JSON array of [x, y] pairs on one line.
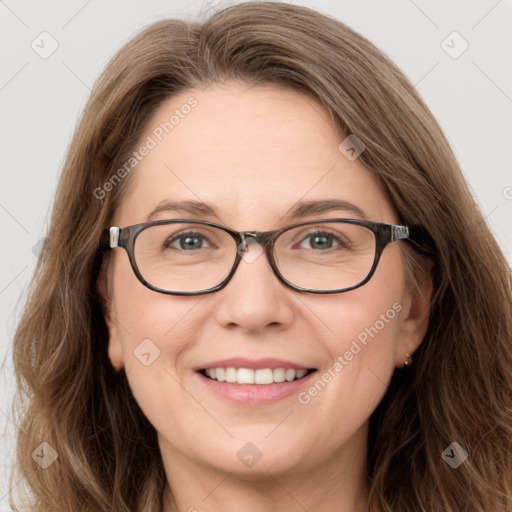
[[262, 376], [231, 374], [279, 375], [211, 372], [245, 376], [289, 375]]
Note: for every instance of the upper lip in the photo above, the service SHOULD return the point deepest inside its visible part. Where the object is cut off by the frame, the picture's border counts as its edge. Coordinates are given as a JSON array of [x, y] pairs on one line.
[[253, 364]]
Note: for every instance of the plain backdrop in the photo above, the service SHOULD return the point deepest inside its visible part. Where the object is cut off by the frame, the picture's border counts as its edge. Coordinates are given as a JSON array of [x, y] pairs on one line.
[[458, 54]]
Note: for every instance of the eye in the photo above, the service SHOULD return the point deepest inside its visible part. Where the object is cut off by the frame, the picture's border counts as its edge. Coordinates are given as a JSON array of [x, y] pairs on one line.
[[187, 240], [321, 240]]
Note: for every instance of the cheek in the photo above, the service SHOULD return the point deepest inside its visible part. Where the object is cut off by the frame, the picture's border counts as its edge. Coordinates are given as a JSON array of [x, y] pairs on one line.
[[359, 366], [156, 331], [361, 344], [364, 336], [149, 322], [369, 316]]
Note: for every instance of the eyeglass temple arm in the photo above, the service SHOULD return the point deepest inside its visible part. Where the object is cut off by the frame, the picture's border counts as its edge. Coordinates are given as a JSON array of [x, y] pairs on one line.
[[399, 232], [421, 240], [110, 238]]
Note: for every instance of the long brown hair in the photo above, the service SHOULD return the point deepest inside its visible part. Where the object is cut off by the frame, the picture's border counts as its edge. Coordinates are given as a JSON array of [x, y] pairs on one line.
[[460, 386]]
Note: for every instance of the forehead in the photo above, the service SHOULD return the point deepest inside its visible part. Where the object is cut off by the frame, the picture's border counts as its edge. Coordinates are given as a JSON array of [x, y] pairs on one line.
[[253, 152]]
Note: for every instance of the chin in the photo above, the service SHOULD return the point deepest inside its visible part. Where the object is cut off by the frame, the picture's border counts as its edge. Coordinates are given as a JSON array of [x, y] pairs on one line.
[[254, 460]]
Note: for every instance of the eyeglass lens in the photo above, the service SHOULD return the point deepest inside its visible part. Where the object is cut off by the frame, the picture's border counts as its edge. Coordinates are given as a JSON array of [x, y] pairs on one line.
[[192, 257]]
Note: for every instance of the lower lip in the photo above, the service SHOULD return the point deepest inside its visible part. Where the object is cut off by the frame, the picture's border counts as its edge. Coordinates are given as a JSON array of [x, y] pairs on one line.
[[255, 394]]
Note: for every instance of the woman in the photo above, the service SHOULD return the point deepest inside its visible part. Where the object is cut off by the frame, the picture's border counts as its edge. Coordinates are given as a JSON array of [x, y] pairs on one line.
[[268, 288]]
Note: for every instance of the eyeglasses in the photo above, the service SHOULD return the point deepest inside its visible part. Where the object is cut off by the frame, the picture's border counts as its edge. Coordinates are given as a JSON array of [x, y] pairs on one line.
[[193, 257]]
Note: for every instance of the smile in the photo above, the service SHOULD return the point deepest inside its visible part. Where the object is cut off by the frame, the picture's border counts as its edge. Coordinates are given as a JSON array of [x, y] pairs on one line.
[[260, 376]]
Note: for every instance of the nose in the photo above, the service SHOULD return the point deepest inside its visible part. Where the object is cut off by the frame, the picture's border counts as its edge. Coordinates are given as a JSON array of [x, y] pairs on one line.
[[255, 299]]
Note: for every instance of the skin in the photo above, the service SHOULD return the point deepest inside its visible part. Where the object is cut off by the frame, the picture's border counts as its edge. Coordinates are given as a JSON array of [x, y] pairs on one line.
[[254, 152]]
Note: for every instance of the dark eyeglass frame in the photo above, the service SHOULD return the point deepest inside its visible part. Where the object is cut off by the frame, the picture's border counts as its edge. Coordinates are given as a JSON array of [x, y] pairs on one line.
[[384, 235]]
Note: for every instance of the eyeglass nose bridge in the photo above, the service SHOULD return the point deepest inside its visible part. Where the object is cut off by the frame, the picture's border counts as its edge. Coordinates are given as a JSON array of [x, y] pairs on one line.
[[263, 238]]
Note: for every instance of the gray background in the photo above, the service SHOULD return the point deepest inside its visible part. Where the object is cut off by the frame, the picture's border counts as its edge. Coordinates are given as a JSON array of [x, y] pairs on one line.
[[41, 98]]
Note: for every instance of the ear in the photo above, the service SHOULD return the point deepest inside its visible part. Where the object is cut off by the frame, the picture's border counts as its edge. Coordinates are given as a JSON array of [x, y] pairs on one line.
[[104, 288], [415, 314]]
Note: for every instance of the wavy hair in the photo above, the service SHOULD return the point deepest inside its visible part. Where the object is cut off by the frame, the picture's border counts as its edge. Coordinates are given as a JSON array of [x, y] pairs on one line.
[[460, 387]]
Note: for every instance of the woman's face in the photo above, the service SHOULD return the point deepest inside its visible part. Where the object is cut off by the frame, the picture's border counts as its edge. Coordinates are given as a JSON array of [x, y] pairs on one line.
[[253, 154]]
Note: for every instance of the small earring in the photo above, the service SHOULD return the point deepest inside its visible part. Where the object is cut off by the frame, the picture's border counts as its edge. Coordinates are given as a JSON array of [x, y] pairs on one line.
[[408, 360]]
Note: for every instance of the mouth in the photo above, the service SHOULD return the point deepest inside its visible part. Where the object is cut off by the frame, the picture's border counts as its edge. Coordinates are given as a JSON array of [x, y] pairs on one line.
[[250, 382], [255, 377]]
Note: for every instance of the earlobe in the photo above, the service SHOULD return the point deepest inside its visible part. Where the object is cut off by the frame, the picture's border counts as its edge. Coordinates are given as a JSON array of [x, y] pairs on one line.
[[115, 352]]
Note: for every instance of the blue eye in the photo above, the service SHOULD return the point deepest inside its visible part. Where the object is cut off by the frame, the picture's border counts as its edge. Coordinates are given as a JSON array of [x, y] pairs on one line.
[[321, 240], [189, 240]]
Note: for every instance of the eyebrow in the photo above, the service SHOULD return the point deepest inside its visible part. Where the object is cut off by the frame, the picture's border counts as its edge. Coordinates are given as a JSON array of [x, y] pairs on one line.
[[301, 209]]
